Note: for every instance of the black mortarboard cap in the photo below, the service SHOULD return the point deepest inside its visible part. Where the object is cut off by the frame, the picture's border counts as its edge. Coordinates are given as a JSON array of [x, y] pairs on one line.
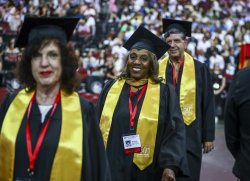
[[145, 39], [183, 26], [41, 27]]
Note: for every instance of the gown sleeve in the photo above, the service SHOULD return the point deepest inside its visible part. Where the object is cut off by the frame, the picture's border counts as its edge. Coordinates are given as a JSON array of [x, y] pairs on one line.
[[102, 97], [232, 134], [4, 107], [95, 165], [173, 144], [208, 113]]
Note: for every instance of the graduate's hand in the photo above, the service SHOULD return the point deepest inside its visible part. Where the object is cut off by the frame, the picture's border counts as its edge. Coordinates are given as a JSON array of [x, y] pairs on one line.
[[208, 146], [168, 175]]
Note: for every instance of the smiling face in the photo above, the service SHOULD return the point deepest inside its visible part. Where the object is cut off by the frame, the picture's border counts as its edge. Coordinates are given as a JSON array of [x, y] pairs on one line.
[[46, 66], [138, 64], [177, 46]]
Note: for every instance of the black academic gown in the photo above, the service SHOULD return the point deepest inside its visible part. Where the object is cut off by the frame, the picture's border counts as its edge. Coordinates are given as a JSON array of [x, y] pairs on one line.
[[203, 128], [170, 139], [237, 123], [95, 164]]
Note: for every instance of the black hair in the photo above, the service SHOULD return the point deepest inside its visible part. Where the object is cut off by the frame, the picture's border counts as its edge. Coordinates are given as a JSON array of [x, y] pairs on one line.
[[153, 71]]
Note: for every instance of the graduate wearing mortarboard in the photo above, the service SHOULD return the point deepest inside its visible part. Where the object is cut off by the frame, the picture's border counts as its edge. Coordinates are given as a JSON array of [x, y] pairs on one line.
[[48, 132], [192, 82], [140, 118]]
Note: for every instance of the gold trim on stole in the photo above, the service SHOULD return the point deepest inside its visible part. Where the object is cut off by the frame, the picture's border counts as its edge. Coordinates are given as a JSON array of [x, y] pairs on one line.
[[187, 87], [147, 123], [10, 128], [67, 163], [108, 109]]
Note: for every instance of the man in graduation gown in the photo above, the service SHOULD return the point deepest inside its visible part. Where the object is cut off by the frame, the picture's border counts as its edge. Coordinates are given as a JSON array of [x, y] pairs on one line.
[[237, 123], [193, 85], [157, 121]]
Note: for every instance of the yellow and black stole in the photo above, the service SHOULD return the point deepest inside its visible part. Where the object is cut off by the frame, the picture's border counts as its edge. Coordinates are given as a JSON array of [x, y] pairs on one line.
[[67, 164], [147, 123], [187, 87]]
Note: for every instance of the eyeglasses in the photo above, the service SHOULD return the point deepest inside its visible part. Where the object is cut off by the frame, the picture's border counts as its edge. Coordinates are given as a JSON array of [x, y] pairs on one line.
[[142, 58]]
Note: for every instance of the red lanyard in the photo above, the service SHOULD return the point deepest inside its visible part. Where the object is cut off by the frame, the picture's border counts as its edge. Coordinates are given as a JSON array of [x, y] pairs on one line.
[[131, 111], [33, 155]]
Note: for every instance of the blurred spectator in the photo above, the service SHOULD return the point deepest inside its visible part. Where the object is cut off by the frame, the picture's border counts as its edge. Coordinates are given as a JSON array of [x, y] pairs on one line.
[[89, 61], [82, 72], [112, 7], [110, 72], [100, 60], [192, 44], [224, 27], [118, 52], [219, 84], [84, 32], [230, 61], [150, 17], [118, 63], [205, 42], [11, 56], [216, 58], [14, 20]]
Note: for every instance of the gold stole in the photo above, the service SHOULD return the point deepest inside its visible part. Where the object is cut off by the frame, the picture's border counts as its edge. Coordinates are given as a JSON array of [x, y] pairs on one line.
[[187, 87], [67, 164], [147, 123]]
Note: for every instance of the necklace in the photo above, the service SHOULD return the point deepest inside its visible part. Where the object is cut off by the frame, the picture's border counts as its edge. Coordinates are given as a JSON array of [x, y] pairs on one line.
[[136, 88]]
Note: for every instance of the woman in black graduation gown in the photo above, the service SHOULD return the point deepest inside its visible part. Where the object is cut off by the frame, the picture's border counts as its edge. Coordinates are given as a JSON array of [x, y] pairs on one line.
[[48, 132], [140, 118]]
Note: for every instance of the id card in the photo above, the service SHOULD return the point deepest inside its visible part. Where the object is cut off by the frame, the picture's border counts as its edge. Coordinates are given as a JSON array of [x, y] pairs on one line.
[[132, 144], [22, 179]]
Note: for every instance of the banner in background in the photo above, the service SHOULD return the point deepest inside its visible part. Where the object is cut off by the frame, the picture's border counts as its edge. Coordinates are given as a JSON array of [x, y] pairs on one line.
[[244, 60]]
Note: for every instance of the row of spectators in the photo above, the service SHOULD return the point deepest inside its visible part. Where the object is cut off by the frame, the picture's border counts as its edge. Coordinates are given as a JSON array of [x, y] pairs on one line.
[[219, 27]]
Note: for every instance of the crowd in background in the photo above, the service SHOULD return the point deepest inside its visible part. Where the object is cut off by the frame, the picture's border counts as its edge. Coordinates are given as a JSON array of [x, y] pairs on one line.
[[219, 27]]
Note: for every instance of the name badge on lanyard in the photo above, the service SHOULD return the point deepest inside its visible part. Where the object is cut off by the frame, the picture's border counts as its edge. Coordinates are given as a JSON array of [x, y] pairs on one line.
[[23, 179], [132, 144]]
